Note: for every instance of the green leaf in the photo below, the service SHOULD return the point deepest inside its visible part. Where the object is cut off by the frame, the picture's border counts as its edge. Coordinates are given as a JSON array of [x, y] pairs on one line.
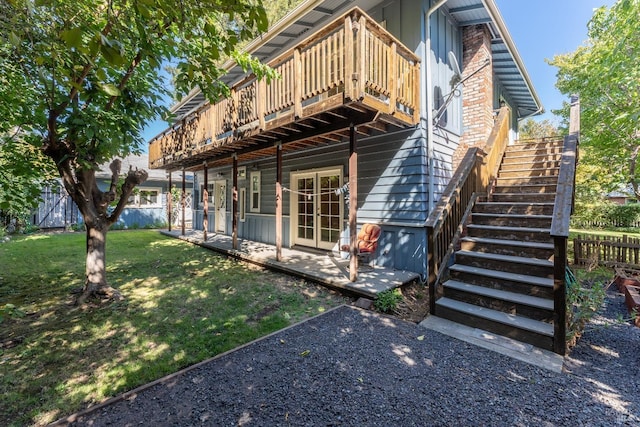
[[72, 37], [14, 39], [110, 89]]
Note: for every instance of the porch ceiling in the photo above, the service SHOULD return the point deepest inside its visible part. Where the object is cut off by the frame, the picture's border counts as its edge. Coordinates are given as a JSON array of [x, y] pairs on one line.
[[325, 128]]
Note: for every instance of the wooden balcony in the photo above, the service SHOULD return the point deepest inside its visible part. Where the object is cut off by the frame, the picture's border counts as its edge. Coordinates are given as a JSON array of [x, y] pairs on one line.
[[351, 72]]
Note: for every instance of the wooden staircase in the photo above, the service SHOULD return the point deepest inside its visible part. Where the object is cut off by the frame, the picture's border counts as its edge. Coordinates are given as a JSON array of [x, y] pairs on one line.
[[502, 276]]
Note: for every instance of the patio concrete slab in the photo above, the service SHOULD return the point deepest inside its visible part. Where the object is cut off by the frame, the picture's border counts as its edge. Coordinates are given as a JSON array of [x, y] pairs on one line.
[[320, 267], [500, 344]]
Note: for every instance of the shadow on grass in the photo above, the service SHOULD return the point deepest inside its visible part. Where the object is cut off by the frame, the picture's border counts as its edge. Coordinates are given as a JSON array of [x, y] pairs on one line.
[[183, 304]]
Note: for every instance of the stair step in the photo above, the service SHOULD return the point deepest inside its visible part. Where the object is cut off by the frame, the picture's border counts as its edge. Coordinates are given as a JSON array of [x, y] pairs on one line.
[[507, 247], [528, 188], [519, 166], [525, 158], [514, 150], [519, 145], [515, 208], [512, 282], [527, 180], [523, 197], [508, 263], [521, 328], [528, 172], [543, 282], [528, 234], [512, 220], [531, 301]]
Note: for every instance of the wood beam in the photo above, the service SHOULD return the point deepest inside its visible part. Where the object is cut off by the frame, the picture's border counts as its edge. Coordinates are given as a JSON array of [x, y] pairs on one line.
[[234, 202], [353, 203], [169, 203], [183, 200], [279, 202], [205, 201]]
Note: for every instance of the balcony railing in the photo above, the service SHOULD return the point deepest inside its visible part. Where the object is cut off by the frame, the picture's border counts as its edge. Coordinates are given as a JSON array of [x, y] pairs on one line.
[[353, 62]]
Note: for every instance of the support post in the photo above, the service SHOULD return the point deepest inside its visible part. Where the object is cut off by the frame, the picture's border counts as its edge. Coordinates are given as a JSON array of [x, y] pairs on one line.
[[234, 203], [353, 203], [205, 202], [279, 201], [183, 201], [560, 295], [169, 203]]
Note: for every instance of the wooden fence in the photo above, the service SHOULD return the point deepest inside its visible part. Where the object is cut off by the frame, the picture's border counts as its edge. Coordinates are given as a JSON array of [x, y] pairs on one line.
[[606, 250]]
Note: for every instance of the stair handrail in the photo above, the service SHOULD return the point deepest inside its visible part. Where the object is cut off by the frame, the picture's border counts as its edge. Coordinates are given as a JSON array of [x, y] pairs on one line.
[[473, 177], [562, 210]]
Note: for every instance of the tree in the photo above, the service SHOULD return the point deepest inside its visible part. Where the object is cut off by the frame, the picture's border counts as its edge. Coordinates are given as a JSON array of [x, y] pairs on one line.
[[605, 72], [86, 76], [532, 129]]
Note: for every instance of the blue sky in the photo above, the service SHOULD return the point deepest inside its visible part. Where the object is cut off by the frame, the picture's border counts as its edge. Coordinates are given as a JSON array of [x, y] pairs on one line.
[[542, 29]]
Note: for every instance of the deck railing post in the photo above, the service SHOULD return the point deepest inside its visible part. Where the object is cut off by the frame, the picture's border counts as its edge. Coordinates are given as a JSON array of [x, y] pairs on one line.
[[297, 83], [392, 82], [349, 57]]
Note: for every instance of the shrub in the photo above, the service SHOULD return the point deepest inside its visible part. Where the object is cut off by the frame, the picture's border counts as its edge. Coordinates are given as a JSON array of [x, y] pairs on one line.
[[585, 296], [606, 215], [388, 300]]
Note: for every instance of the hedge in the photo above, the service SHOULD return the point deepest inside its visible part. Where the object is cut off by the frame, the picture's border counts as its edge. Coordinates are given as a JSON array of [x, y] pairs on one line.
[[606, 215]]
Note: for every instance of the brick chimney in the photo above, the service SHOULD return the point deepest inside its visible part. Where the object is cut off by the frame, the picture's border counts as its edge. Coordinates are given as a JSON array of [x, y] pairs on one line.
[[477, 92]]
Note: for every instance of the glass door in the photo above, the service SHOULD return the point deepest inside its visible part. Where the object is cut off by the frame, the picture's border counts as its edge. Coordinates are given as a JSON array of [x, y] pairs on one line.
[[317, 210]]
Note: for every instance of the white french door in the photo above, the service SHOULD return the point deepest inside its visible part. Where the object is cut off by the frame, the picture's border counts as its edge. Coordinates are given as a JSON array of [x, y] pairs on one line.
[[317, 209]]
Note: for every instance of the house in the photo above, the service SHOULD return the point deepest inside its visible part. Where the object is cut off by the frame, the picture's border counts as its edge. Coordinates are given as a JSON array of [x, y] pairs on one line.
[[147, 206], [377, 103]]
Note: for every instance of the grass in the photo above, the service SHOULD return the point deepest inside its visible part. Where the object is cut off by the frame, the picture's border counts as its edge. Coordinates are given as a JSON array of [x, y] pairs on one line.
[[183, 304]]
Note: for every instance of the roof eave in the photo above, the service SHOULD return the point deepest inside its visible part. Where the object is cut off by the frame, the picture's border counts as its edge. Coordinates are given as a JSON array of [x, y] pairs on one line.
[[492, 9]]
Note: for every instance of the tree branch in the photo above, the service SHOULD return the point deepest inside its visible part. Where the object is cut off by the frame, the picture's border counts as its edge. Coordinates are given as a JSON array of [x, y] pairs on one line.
[[133, 179]]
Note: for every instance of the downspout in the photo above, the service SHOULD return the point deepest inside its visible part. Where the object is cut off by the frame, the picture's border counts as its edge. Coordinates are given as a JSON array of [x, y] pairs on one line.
[[426, 100]]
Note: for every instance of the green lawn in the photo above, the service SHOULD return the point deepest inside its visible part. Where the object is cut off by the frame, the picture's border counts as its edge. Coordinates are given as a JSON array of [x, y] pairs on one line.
[[183, 304]]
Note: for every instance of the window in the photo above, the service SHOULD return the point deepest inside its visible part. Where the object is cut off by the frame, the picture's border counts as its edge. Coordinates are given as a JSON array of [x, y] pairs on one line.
[[242, 172], [149, 198], [145, 198], [255, 192], [242, 204], [210, 187]]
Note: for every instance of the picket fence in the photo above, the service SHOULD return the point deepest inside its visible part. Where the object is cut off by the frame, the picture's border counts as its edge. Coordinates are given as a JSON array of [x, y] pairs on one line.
[[606, 250]]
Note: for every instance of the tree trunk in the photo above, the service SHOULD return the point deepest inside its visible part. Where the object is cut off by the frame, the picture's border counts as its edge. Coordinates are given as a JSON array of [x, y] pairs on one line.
[[96, 273]]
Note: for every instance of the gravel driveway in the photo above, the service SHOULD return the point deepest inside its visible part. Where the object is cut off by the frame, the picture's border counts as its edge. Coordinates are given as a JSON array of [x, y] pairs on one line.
[[353, 367]]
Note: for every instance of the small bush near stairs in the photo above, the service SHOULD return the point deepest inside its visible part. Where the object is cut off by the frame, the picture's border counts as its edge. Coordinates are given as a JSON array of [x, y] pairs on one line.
[[585, 296], [388, 301]]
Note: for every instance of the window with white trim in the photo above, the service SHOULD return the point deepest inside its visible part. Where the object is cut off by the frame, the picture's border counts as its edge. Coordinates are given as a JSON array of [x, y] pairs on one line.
[[145, 198], [254, 202]]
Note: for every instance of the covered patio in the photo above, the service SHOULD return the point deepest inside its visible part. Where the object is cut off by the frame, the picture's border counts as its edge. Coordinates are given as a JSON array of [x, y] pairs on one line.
[[316, 266]]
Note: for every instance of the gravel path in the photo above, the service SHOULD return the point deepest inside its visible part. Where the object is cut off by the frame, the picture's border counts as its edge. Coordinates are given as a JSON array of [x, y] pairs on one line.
[[353, 367]]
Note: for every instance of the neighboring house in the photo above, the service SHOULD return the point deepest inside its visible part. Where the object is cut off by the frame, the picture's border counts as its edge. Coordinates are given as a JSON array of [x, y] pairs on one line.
[[622, 197], [147, 206], [387, 95]]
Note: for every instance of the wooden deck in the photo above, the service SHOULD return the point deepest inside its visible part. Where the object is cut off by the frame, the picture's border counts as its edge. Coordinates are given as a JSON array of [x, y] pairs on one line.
[[352, 72], [313, 266]]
